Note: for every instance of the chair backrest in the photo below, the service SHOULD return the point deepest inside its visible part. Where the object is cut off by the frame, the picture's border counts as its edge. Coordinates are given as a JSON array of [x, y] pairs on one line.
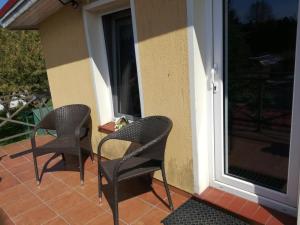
[[68, 117], [152, 131]]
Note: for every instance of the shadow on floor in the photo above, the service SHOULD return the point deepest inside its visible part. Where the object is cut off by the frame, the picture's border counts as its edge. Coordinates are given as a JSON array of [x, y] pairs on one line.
[[132, 188], [4, 219]]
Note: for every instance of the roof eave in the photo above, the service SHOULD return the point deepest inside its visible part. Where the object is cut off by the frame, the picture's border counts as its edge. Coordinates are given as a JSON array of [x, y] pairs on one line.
[[14, 12]]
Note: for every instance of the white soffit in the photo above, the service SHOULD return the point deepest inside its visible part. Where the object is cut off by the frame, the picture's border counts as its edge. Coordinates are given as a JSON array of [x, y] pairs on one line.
[[28, 14]]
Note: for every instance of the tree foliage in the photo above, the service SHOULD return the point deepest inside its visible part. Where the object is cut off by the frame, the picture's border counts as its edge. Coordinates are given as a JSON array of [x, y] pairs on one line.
[[22, 66]]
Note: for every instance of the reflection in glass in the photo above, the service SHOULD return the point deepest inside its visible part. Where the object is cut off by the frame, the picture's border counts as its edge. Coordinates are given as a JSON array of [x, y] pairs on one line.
[[122, 64], [260, 42]]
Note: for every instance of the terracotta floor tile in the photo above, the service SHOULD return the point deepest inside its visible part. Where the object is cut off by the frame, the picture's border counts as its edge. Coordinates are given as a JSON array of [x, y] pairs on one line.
[[46, 181], [26, 175], [57, 221], [225, 200], [20, 168], [14, 148], [73, 179], [52, 191], [14, 194], [7, 181], [177, 199], [2, 153], [104, 219], [69, 203], [1, 167], [205, 194], [154, 217], [283, 218], [89, 163], [10, 163], [93, 169], [104, 205], [89, 189], [41, 160], [65, 201], [262, 215], [61, 175], [22, 205], [36, 216], [76, 182], [28, 157], [249, 209], [154, 197], [25, 143], [214, 195], [160, 186], [274, 221], [4, 218], [82, 213], [236, 205], [132, 209]]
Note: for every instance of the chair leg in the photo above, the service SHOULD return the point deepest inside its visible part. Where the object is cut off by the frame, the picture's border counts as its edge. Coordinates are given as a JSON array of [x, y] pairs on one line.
[[36, 170], [163, 172], [81, 168], [63, 157], [92, 156], [100, 183], [115, 203]]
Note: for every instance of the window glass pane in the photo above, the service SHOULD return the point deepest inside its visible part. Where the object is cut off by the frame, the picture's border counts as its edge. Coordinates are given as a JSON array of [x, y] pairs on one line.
[[260, 43], [121, 58]]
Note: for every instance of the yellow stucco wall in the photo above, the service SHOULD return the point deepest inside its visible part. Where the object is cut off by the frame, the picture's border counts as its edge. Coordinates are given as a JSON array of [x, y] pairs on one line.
[[163, 56], [68, 66]]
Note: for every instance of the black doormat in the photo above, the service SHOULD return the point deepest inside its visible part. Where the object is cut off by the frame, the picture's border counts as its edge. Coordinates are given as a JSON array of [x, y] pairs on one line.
[[198, 212]]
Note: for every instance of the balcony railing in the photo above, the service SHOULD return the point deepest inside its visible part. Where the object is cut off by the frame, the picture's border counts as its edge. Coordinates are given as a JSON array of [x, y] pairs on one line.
[[36, 105]]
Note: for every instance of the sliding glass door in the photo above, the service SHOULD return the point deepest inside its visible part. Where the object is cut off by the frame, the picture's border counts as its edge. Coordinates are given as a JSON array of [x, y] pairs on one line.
[[255, 103]]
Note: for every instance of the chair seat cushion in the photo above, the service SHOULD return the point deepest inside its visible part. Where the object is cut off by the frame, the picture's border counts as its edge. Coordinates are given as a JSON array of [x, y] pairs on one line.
[[133, 167]]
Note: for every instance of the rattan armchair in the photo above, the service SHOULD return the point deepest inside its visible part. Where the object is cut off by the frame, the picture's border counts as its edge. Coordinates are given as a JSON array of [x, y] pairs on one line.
[[151, 134], [72, 124]]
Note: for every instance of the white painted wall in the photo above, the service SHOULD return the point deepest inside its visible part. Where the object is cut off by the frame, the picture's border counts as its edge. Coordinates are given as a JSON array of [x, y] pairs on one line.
[[98, 60], [200, 64]]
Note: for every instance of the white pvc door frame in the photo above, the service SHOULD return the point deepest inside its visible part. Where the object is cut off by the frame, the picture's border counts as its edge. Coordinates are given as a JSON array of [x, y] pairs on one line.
[[283, 202]]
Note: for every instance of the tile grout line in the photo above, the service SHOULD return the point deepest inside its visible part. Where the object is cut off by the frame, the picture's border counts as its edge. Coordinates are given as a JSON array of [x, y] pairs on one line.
[[230, 202], [269, 218], [145, 213], [89, 200], [58, 215], [242, 206], [43, 201], [74, 190]]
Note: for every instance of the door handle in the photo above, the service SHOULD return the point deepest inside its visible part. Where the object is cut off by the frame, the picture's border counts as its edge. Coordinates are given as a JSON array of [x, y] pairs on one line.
[[214, 84]]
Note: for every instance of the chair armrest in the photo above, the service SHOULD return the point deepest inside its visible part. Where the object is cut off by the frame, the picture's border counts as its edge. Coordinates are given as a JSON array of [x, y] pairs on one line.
[[80, 125], [111, 136], [106, 138], [116, 135], [47, 123]]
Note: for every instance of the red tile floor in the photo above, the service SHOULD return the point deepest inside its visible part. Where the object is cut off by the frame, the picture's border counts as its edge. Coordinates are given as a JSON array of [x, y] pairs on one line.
[[245, 208], [60, 199]]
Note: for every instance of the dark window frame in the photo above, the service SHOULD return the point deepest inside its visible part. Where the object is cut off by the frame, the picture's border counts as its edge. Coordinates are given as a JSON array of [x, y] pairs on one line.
[[111, 24]]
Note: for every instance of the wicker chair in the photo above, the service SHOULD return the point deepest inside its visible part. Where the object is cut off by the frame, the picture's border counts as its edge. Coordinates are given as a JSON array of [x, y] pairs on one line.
[[151, 134], [72, 124]]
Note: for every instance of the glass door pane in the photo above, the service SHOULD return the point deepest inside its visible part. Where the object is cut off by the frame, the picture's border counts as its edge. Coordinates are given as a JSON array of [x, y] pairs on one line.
[[259, 53]]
